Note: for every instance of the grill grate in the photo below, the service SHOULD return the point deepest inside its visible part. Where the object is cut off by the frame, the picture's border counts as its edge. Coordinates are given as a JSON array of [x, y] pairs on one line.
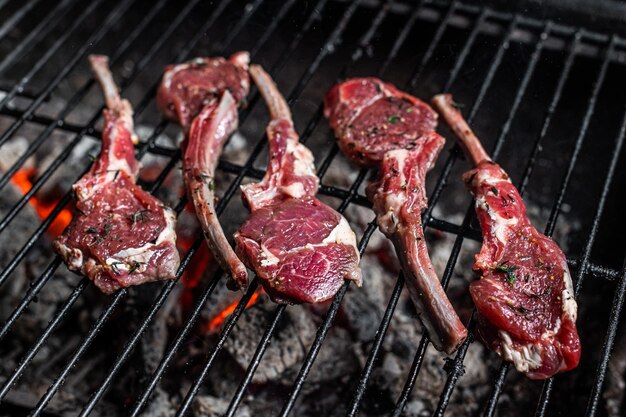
[[504, 27]]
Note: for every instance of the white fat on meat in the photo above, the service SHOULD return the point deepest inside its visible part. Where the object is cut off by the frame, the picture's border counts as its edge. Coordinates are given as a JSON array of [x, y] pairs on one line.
[[73, 256], [169, 75], [269, 258], [126, 258], [342, 234], [570, 308], [501, 226], [294, 190], [388, 222], [482, 176], [117, 164], [525, 358], [356, 111], [303, 158]]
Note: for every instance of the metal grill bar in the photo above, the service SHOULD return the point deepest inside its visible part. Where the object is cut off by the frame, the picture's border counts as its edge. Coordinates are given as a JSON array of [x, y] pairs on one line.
[[384, 324], [98, 324], [436, 40], [42, 61], [81, 286], [176, 344], [579, 141], [76, 99], [40, 120], [170, 285], [43, 28], [13, 20], [44, 277], [441, 28], [50, 170], [556, 209], [58, 317], [332, 39], [265, 339], [242, 303], [107, 25], [460, 61], [220, 207], [480, 16], [406, 29], [95, 328], [556, 97], [494, 65], [618, 300], [456, 368]]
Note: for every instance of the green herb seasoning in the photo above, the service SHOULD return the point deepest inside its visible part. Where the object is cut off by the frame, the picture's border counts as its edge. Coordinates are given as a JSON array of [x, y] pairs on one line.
[[134, 267], [115, 267], [521, 310], [509, 271], [393, 119], [139, 216]]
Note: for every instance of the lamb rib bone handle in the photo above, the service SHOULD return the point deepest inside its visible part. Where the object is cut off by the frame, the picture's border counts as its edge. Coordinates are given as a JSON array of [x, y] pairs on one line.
[[524, 298], [378, 125], [208, 133], [301, 249], [120, 235], [202, 96]]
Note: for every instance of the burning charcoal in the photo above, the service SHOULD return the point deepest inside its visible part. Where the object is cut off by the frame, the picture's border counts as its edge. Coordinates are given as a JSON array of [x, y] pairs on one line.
[[12, 151], [64, 176], [22, 226], [616, 378], [160, 405], [332, 370], [293, 334], [207, 406], [362, 308]]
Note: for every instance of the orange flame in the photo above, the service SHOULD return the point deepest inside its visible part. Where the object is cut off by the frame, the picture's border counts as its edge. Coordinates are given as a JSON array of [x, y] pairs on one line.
[[22, 179], [219, 319], [193, 274]]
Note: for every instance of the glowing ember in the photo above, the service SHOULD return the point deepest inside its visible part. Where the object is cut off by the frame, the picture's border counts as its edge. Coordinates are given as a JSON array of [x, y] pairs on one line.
[[193, 274], [23, 180], [217, 321]]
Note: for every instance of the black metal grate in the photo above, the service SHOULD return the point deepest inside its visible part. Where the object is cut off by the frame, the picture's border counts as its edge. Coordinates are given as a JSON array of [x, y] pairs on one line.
[[354, 38]]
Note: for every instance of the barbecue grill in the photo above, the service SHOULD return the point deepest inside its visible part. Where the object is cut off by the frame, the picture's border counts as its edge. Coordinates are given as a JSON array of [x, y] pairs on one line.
[[543, 94]]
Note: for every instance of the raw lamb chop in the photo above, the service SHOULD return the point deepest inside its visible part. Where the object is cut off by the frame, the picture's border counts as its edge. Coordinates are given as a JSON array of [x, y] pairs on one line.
[[121, 235], [202, 95], [378, 125], [525, 300], [301, 249]]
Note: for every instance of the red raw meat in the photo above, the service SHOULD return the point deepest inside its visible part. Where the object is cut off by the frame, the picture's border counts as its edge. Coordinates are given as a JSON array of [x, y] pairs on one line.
[[121, 235], [378, 125], [202, 95], [301, 249], [525, 300], [371, 117]]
